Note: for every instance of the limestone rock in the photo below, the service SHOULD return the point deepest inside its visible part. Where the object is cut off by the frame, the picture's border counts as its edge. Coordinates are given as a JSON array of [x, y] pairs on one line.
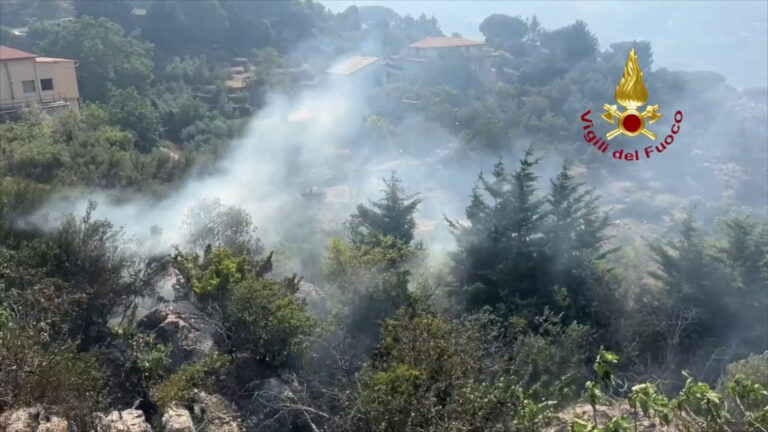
[[177, 419], [34, 419], [130, 420], [184, 327], [214, 414]]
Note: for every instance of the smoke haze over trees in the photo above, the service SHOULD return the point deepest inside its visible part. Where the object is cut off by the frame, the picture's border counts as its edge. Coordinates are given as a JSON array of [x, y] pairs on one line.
[[319, 254]]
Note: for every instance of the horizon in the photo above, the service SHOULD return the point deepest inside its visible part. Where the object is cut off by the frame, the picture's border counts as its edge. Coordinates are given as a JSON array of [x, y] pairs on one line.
[[732, 56]]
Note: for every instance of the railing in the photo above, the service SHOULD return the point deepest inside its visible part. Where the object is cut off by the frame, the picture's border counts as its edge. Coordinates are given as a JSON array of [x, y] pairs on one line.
[[31, 101]]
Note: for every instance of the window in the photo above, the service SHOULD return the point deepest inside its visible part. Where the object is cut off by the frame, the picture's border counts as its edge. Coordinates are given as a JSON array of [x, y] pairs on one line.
[[46, 84], [28, 86]]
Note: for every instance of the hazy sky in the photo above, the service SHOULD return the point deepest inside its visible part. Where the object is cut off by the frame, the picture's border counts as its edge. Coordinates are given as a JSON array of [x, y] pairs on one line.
[[728, 37]]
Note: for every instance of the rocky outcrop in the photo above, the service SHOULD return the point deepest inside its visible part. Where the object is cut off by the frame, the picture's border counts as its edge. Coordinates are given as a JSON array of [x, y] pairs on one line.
[[177, 419], [182, 326], [35, 419], [214, 414], [130, 420]]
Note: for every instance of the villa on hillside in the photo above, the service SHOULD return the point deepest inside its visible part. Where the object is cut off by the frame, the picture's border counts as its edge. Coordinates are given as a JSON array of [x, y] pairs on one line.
[[29, 81], [413, 57]]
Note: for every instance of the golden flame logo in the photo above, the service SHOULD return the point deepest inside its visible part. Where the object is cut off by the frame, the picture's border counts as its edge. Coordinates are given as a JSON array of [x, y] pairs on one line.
[[632, 94], [631, 91]]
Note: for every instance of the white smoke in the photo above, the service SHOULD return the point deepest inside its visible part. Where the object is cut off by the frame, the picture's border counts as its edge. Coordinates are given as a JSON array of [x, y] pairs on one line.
[[315, 141]]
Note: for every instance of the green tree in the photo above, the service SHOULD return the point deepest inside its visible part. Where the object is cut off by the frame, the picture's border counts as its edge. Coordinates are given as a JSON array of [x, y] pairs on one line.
[[497, 261], [392, 215], [371, 282], [744, 255], [136, 114], [573, 43], [210, 223], [175, 25], [349, 20], [505, 32], [575, 237], [105, 55], [119, 12], [371, 271], [250, 26], [693, 281]]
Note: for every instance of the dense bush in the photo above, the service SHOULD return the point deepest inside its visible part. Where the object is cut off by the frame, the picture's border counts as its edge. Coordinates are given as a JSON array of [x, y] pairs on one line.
[[435, 374], [268, 320], [180, 387], [264, 317], [36, 369]]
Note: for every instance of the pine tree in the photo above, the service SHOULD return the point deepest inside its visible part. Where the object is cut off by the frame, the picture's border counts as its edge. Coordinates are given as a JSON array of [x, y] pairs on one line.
[[479, 243], [693, 281], [744, 255], [497, 257], [392, 215], [519, 273], [575, 237], [371, 270], [743, 252]]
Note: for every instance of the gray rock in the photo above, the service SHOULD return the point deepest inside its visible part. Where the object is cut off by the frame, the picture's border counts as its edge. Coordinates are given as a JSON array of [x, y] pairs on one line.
[[212, 413], [180, 324], [34, 419], [130, 420], [177, 419]]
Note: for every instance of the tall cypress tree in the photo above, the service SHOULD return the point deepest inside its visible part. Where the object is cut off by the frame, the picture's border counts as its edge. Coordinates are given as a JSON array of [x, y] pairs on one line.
[[496, 260], [478, 254], [520, 270], [693, 281], [575, 237]]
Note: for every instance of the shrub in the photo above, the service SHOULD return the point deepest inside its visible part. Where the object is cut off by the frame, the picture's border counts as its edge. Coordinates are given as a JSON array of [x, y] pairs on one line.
[[269, 320], [543, 358], [754, 368], [181, 385], [435, 374], [35, 370]]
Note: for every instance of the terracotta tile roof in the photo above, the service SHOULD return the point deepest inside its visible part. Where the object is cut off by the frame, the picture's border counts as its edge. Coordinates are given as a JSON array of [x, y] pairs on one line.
[[444, 42], [352, 65], [8, 53]]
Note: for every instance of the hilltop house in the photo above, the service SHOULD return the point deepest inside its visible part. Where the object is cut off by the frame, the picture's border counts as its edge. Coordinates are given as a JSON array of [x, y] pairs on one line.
[[29, 81], [413, 57]]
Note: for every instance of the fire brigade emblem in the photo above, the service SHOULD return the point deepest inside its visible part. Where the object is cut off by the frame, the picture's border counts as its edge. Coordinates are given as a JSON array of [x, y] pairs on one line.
[[631, 94]]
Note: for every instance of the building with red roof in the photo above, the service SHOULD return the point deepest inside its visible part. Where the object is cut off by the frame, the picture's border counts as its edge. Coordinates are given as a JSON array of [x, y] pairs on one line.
[[29, 81], [413, 58]]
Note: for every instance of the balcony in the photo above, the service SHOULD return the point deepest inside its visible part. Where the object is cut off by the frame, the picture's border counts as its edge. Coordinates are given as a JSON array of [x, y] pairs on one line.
[[46, 102]]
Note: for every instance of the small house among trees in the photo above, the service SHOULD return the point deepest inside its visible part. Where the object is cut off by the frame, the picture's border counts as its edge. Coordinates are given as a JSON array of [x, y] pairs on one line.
[[30, 81]]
